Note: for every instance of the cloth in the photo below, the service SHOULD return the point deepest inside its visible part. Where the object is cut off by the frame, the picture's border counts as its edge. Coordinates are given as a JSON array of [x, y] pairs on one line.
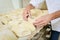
[[41, 4]]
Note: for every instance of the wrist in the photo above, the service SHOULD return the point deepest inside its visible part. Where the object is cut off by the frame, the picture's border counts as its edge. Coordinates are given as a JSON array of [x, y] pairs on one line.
[[52, 16], [29, 7], [55, 15]]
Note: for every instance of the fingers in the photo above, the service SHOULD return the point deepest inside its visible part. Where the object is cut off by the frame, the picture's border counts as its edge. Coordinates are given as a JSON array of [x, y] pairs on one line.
[[39, 23], [26, 14], [29, 13]]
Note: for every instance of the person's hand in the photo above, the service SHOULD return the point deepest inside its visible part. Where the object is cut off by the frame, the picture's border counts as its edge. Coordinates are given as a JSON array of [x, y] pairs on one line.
[[42, 21], [26, 14]]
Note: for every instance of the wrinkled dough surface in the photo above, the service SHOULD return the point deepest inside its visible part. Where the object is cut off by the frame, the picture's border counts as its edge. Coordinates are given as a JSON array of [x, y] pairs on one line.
[[24, 29]]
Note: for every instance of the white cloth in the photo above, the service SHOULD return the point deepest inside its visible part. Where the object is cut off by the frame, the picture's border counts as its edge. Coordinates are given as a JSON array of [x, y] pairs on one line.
[[53, 6], [36, 3]]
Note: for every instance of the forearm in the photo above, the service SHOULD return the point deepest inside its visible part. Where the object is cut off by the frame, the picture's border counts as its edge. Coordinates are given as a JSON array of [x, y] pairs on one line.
[[55, 15], [29, 7]]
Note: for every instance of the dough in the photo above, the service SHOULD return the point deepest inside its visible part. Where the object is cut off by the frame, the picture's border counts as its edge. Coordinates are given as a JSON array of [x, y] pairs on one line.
[[14, 21], [24, 29], [6, 34], [35, 13]]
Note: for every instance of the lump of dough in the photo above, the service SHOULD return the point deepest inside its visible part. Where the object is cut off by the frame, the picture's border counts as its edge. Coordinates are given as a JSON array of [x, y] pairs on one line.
[[35, 12], [24, 29], [6, 34]]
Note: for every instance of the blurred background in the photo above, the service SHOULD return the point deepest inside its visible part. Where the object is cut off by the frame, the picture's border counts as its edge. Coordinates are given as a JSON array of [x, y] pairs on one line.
[[8, 5]]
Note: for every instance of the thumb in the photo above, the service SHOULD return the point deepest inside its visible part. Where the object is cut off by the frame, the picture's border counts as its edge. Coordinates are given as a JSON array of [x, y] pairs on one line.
[[29, 12]]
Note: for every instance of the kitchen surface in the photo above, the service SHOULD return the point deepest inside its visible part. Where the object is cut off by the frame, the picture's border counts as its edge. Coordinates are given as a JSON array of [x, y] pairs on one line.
[[14, 27]]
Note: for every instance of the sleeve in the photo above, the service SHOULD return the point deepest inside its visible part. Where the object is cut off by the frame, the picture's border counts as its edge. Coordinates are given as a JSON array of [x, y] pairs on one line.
[[36, 3]]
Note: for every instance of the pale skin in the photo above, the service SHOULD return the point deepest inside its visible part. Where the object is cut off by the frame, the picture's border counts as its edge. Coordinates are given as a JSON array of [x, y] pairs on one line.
[[26, 12], [44, 20]]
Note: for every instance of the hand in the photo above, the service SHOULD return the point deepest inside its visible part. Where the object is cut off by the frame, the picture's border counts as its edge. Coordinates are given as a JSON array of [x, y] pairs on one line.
[[26, 14], [42, 21]]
